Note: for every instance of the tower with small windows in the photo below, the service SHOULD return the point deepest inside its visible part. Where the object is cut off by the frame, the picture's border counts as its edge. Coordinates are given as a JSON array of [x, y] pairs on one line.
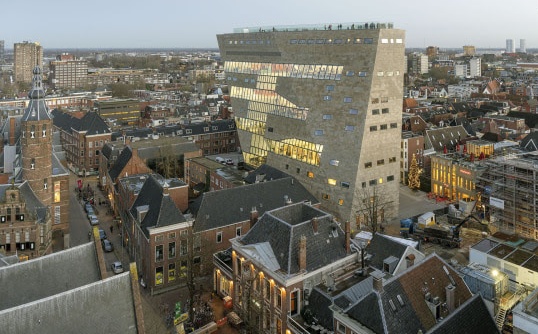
[[36, 142]]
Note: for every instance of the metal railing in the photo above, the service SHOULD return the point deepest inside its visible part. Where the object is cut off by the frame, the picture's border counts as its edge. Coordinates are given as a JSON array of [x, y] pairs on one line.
[[322, 26]]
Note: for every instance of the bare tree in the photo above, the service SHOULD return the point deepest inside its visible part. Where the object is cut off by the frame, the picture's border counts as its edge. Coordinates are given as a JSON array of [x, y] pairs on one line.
[[372, 206]]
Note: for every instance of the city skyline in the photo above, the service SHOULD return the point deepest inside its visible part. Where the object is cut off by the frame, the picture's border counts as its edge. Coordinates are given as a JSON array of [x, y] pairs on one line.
[[167, 24]]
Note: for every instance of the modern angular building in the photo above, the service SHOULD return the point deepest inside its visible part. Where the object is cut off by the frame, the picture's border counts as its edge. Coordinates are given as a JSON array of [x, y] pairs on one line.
[[322, 103]]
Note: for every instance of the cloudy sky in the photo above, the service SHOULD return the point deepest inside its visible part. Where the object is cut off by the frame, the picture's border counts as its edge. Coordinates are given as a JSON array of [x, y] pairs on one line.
[[194, 24]]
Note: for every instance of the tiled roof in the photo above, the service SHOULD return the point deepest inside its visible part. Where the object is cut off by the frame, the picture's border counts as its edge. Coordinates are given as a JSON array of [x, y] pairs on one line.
[[220, 208], [265, 173], [161, 209], [449, 136], [283, 228], [530, 142], [122, 161], [91, 123], [381, 247]]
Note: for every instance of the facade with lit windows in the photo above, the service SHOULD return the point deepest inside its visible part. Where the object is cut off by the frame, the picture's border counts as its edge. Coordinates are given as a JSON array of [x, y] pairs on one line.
[[322, 104]]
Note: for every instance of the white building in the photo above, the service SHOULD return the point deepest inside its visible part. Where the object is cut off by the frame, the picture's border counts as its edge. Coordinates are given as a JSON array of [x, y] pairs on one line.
[[510, 47], [522, 45]]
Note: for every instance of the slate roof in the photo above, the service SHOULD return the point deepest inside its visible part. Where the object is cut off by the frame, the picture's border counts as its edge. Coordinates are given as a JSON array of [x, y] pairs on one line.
[[51, 274], [224, 207], [91, 123], [449, 136], [37, 109], [122, 161], [283, 228], [161, 209], [465, 320], [384, 313], [99, 307], [381, 247], [267, 172], [530, 142]]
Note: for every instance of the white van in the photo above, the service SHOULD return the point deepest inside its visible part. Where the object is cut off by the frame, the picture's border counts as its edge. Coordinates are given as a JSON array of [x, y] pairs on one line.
[[220, 159]]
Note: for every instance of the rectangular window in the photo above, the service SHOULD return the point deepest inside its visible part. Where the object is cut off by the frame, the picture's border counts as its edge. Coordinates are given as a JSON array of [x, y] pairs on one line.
[[298, 170], [385, 110], [350, 128], [327, 116], [393, 125], [219, 237], [334, 162], [390, 178], [238, 231], [375, 112], [159, 276], [368, 41], [353, 111], [329, 88], [327, 98], [340, 202], [183, 247], [310, 174], [171, 250], [373, 182], [57, 191], [270, 129], [373, 128], [363, 74], [363, 184], [171, 272], [348, 99], [368, 165], [350, 73], [380, 73], [318, 132], [332, 182], [375, 100], [380, 162], [159, 253], [384, 99], [344, 184], [393, 159], [383, 126], [326, 196]]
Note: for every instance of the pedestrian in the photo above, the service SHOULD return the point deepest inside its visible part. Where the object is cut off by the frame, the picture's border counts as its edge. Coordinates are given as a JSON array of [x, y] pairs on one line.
[[111, 228]]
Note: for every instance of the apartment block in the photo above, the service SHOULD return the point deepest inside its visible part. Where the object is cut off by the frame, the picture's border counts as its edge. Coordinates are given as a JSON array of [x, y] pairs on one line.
[[27, 55]]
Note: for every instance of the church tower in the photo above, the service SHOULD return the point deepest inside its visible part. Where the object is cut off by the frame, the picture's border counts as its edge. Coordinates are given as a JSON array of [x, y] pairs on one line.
[[36, 142]]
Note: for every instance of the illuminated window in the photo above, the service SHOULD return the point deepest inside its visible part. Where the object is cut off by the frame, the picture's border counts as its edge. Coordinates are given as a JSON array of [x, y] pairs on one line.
[[159, 276], [57, 197], [380, 180], [340, 202], [310, 174], [334, 162], [326, 196], [171, 272], [332, 182]]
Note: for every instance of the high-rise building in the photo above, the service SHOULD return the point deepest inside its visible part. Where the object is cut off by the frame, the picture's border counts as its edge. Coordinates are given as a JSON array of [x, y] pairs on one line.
[[522, 45], [432, 51], [510, 47], [323, 105], [27, 56], [417, 63], [2, 52], [469, 50], [68, 72]]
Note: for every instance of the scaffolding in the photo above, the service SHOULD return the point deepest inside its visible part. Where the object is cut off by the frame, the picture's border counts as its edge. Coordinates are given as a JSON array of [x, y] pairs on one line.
[[510, 186]]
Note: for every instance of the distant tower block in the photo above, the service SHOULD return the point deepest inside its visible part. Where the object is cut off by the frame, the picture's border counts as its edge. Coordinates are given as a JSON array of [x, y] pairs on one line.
[[510, 47], [522, 45], [469, 50]]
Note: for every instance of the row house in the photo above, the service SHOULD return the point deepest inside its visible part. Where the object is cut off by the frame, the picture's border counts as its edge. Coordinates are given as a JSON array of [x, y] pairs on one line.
[[82, 140]]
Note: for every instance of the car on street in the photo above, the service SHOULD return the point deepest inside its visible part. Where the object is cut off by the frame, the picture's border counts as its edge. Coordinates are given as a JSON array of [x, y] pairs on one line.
[[88, 207], [93, 220], [229, 162], [117, 268], [102, 234], [90, 212], [107, 245]]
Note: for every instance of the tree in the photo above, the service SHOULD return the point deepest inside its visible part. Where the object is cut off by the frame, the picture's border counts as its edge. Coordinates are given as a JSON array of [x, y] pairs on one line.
[[413, 181], [372, 205]]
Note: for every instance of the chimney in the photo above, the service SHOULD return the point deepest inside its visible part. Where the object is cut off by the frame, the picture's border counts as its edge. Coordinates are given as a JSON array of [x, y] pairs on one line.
[[253, 216], [378, 280], [165, 190], [287, 200], [315, 224], [410, 260], [348, 235], [302, 253], [450, 297], [12, 127]]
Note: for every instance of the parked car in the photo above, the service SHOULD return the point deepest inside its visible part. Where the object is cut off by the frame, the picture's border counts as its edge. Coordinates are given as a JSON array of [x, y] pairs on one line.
[[117, 268], [102, 234], [107, 245], [90, 213], [93, 220], [88, 207], [229, 162]]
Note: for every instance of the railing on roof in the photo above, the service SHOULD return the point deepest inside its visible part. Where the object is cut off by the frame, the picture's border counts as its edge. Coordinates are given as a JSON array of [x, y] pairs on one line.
[[323, 26], [295, 326]]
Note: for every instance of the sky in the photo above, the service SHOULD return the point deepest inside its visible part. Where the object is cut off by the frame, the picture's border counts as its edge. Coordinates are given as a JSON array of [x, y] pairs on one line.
[[195, 24]]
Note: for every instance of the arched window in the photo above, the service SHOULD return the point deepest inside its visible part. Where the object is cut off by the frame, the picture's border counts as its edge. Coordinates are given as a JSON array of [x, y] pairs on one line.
[[32, 164], [44, 130], [32, 131]]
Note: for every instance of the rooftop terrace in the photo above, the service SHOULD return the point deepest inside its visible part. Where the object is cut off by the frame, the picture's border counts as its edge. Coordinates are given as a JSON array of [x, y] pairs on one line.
[[321, 26]]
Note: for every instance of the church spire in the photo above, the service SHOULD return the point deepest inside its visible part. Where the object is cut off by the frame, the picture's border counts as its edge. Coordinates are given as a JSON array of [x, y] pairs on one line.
[[37, 110]]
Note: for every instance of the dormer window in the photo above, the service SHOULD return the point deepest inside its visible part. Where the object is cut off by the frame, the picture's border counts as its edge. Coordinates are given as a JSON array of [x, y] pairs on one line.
[[44, 131], [32, 164], [32, 131]]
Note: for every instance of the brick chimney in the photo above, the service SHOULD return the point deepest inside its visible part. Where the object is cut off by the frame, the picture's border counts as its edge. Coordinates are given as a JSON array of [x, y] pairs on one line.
[[12, 127], [315, 224], [253, 216], [450, 297], [302, 253], [348, 236], [378, 280]]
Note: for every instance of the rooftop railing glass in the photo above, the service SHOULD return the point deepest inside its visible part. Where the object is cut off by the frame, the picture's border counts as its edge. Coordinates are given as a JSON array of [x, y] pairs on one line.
[[324, 26]]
